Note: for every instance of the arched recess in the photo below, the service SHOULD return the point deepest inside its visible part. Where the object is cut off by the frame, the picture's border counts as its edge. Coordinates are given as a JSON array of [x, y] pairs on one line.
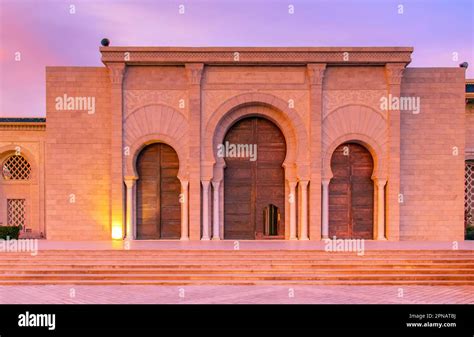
[[351, 192], [378, 155], [158, 193], [7, 150], [155, 123], [356, 123], [254, 181], [369, 128], [257, 104], [296, 163]]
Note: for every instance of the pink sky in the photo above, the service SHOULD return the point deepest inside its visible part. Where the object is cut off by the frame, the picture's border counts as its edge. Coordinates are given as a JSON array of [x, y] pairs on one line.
[[47, 34]]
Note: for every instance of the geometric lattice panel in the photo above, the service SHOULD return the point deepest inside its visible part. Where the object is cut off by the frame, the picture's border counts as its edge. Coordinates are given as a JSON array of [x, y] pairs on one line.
[[469, 193], [16, 212], [16, 168]]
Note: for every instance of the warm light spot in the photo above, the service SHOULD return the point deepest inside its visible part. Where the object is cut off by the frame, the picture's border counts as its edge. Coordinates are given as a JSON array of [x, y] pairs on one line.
[[117, 232]]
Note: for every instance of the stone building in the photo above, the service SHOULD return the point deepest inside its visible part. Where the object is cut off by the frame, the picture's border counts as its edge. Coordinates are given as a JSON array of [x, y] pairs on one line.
[[241, 144]]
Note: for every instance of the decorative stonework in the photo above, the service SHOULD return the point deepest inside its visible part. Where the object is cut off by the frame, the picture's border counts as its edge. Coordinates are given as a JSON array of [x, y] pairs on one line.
[[151, 124], [116, 71], [394, 73], [356, 123], [212, 99], [226, 55], [335, 99], [194, 73], [23, 126], [256, 75], [316, 73], [135, 99]]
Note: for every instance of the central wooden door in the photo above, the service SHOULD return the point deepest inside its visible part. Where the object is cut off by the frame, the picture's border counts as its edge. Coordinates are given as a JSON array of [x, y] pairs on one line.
[[351, 193], [254, 191], [158, 189]]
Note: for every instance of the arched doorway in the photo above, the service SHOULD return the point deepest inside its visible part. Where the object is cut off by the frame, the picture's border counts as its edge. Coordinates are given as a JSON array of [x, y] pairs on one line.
[[158, 189], [254, 187], [351, 193]]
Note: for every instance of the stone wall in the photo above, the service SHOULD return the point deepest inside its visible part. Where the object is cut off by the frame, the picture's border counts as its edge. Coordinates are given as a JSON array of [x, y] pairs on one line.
[[78, 156], [432, 155]]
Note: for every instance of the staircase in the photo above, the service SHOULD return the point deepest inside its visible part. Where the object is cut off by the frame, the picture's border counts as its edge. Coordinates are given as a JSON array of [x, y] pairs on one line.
[[240, 267]]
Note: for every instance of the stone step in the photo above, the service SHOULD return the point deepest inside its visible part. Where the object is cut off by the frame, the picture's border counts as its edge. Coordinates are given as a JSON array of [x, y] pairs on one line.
[[193, 267], [6, 259], [198, 265], [282, 254], [253, 271], [248, 276], [239, 282]]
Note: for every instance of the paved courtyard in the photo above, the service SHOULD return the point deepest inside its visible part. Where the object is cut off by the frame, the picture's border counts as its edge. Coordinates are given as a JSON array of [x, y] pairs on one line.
[[236, 294]]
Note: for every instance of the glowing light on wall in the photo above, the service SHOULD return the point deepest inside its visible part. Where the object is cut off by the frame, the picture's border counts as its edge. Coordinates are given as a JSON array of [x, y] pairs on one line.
[[117, 232]]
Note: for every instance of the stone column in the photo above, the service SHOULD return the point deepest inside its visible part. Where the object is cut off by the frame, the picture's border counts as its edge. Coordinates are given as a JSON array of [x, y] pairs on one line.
[[215, 207], [394, 73], [292, 201], [325, 217], [184, 210], [315, 75], [194, 74], [303, 186], [380, 183], [116, 72], [130, 183], [205, 210]]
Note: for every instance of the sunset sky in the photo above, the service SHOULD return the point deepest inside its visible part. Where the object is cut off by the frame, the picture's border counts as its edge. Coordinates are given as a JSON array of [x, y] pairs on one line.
[[47, 34]]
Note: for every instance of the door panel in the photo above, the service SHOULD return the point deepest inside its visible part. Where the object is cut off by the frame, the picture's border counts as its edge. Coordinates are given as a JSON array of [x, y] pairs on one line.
[[351, 193], [158, 189], [251, 186]]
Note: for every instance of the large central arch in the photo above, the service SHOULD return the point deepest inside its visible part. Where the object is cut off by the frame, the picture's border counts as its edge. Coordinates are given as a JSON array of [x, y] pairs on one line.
[[296, 163]]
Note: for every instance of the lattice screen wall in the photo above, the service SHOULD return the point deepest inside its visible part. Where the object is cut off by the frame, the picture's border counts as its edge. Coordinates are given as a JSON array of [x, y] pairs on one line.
[[469, 193], [16, 167], [16, 212]]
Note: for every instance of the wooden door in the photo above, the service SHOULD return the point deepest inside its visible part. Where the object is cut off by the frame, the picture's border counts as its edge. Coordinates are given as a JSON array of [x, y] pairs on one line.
[[351, 193], [158, 189], [254, 190]]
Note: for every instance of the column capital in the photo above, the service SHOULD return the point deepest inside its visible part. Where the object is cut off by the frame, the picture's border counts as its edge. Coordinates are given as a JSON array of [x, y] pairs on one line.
[[316, 73], [303, 183], [130, 181], [325, 181], [394, 73], [116, 71], [194, 72], [184, 183], [205, 183], [216, 183], [292, 184], [380, 182]]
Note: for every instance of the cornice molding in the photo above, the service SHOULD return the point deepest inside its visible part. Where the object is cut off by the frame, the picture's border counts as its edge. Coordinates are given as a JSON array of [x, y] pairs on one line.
[[247, 55], [23, 126]]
